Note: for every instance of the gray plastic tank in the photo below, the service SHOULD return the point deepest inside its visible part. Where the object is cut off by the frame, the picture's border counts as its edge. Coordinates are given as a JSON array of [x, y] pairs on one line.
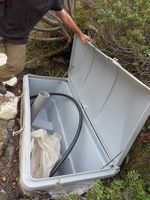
[[115, 106]]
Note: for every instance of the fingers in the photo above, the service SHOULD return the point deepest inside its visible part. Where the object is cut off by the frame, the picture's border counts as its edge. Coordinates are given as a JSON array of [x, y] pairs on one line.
[[85, 38]]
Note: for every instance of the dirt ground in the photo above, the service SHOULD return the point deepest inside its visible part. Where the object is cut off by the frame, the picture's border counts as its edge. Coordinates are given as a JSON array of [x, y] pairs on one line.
[[138, 157]]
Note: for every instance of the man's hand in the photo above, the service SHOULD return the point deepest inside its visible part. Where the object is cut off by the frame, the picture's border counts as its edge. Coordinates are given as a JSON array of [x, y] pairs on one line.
[[66, 18], [85, 38]]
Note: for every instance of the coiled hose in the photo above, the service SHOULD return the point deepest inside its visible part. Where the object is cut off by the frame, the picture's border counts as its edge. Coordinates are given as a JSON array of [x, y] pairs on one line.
[[66, 154]]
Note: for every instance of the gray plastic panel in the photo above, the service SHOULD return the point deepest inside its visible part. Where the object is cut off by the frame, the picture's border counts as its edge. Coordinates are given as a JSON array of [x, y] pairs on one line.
[[116, 103]]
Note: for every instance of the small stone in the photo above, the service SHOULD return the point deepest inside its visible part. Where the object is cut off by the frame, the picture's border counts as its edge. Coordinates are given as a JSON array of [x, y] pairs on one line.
[[3, 136], [17, 179], [10, 151], [10, 125], [9, 94], [1, 148], [12, 82], [4, 178], [3, 195], [8, 107], [14, 183]]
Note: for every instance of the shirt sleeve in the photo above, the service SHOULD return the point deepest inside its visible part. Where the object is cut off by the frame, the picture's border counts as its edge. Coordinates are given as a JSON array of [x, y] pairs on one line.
[[58, 5]]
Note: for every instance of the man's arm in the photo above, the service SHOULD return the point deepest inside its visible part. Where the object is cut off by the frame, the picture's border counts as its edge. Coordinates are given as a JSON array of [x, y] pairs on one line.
[[66, 18]]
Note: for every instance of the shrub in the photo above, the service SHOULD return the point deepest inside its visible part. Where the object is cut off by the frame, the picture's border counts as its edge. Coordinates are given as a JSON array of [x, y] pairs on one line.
[[127, 20], [130, 187], [122, 31]]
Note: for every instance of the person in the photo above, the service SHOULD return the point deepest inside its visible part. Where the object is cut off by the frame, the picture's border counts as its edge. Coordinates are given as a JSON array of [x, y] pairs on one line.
[[17, 19]]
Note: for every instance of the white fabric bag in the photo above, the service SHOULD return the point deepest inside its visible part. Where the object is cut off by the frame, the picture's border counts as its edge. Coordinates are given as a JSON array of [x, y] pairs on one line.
[[45, 151]]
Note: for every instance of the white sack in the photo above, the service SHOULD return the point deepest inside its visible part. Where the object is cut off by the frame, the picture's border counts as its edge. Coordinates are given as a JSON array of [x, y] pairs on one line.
[[45, 151], [8, 106]]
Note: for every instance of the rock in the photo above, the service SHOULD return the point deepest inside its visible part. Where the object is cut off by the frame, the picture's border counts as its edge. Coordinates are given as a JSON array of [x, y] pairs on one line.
[[8, 107], [12, 82], [10, 125], [3, 135], [10, 150], [9, 94], [1, 148], [3, 195], [3, 58]]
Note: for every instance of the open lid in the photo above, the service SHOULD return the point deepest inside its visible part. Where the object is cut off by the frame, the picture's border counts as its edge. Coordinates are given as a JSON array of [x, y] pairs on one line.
[[116, 103]]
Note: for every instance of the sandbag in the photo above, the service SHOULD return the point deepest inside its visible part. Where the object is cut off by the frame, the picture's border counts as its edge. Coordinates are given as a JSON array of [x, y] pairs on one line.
[[45, 152]]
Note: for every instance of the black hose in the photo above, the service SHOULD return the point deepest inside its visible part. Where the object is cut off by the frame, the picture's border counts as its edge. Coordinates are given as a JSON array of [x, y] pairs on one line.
[[65, 155]]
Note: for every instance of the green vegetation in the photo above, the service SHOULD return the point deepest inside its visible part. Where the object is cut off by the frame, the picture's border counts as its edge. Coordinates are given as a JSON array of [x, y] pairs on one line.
[[130, 187], [127, 20], [122, 30]]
